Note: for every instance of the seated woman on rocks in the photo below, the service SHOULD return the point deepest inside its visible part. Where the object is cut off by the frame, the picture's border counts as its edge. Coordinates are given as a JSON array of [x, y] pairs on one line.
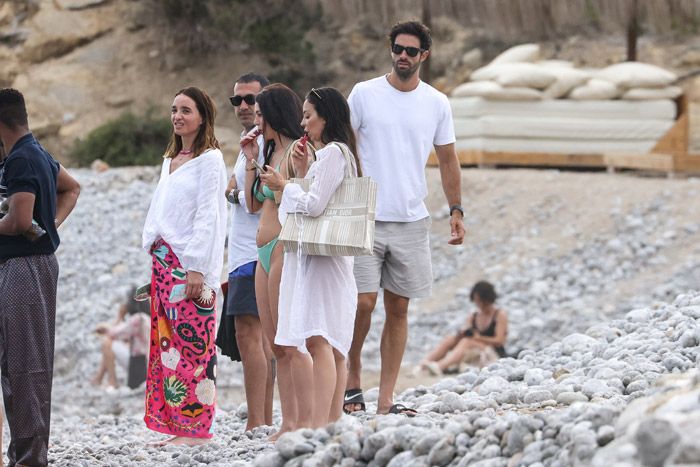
[[481, 341], [127, 336]]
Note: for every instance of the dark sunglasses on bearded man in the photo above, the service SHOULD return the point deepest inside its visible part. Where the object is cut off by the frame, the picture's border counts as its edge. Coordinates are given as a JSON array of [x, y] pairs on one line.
[[237, 100], [411, 51]]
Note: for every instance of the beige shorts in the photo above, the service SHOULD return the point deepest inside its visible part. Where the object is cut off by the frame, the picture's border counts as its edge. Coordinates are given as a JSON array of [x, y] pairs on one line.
[[401, 262]]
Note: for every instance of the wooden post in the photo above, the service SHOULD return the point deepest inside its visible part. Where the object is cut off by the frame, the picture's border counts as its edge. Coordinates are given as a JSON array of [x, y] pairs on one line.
[[632, 32], [427, 20]]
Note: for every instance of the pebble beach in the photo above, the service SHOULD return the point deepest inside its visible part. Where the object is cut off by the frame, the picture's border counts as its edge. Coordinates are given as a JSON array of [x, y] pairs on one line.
[[599, 274]]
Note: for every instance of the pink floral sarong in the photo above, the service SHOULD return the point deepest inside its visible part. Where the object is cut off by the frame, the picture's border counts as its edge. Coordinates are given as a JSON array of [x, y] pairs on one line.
[[180, 385]]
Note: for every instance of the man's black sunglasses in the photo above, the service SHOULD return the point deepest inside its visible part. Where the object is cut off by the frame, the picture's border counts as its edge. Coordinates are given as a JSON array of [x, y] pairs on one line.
[[248, 98], [411, 51]]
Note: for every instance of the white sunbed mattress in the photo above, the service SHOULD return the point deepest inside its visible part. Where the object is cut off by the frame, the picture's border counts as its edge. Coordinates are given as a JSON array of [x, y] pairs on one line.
[[556, 146], [569, 128], [474, 107]]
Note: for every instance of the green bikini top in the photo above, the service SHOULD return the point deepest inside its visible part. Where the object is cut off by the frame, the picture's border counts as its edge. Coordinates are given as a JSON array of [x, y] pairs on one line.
[[265, 193]]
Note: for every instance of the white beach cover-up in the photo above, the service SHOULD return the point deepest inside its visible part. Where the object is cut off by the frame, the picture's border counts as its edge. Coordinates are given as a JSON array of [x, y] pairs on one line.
[[318, 295]]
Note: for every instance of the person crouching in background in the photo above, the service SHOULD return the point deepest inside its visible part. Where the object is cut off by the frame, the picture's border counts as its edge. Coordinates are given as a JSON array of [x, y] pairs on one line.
[[481, 341]]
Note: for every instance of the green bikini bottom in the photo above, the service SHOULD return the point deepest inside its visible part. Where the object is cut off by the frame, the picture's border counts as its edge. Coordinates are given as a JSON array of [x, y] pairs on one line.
[[265, 254]]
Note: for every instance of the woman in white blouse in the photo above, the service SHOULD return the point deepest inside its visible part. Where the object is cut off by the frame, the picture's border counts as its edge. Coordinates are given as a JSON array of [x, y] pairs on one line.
[[184, 232], [318, 295]]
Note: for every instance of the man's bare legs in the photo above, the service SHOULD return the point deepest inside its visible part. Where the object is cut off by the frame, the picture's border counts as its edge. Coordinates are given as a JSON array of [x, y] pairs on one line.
[[257, 367], [392, 347], [363, 320]]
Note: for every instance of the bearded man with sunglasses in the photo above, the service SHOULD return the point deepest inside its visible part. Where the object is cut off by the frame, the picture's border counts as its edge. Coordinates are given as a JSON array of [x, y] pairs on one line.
[[240, 333], [398, 120]]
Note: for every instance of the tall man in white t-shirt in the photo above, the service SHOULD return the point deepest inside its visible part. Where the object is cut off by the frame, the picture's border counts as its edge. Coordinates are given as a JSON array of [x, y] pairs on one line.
[[399, 119], [241, 313]]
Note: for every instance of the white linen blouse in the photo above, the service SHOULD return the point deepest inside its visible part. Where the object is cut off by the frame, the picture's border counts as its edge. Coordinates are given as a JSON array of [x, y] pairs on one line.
[[318, 295], [188, 211]]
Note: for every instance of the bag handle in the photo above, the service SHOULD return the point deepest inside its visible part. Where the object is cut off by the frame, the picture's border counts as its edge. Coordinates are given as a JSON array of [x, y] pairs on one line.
[[350, 161]]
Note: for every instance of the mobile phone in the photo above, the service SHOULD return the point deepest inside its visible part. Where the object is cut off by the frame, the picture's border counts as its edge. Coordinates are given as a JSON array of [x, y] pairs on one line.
[[255, 132], [257, 165]]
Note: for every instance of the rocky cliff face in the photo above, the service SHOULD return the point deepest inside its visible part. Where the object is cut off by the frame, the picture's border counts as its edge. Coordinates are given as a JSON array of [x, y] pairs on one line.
[[81, 63]]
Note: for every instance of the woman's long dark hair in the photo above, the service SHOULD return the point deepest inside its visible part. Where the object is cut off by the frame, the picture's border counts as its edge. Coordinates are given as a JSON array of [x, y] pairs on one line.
[[332, 106], [281, 110]]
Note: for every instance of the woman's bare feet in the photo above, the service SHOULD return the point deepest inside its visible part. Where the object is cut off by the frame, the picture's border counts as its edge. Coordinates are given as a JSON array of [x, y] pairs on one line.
[[160, 443], [187, 441], [178, 441], [283, 429]]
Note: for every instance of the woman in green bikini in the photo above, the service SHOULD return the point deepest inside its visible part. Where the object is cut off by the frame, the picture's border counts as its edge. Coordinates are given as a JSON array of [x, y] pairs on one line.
[[277, 115]]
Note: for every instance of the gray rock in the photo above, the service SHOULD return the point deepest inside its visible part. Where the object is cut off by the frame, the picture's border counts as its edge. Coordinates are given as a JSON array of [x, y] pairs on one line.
[[638, 385], [673, 361], [605, 434], [371, 445], [402, 459], [537, 395], [515, 439], [384, 455], [271, 459], [442, 453], [350, 444], [426, 443], [569, 397], [655, 439], [578, 343], [596, 387], [492, 384]]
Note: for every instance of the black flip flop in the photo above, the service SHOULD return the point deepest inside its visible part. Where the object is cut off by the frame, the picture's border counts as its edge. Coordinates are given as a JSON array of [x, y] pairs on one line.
[[401, 409], [354, 397]]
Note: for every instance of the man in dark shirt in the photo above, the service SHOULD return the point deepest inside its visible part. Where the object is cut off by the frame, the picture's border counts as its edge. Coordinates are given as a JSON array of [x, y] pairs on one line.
[[38, 188]]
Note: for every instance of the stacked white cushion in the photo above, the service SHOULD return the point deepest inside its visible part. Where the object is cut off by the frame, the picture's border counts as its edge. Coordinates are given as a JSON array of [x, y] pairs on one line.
[[566, 80], [555, 146], [638, 94], [475, 88], [574, 128], [637, 75], [519, 53], [561, 126], [594, 90], [467, 128], [474, 107], [519, 104], [515, 74]]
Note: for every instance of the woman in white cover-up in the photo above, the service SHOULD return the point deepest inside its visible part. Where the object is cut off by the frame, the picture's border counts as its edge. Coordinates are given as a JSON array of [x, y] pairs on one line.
[[318, 296]]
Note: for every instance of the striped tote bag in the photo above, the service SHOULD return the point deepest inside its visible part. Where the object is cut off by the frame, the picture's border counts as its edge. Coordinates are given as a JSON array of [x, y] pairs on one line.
[[346, 227]]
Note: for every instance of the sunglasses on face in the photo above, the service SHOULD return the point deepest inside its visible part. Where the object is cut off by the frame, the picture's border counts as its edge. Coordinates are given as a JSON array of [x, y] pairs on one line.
[[248, 98], [410, 51]]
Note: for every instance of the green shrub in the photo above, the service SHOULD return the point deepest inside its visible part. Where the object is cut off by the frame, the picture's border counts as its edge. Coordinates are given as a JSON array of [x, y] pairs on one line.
[[127, 140]]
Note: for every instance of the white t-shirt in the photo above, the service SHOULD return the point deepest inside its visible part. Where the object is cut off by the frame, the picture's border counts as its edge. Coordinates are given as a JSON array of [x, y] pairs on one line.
[[396, 131], [242, 248], [188, 211]]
